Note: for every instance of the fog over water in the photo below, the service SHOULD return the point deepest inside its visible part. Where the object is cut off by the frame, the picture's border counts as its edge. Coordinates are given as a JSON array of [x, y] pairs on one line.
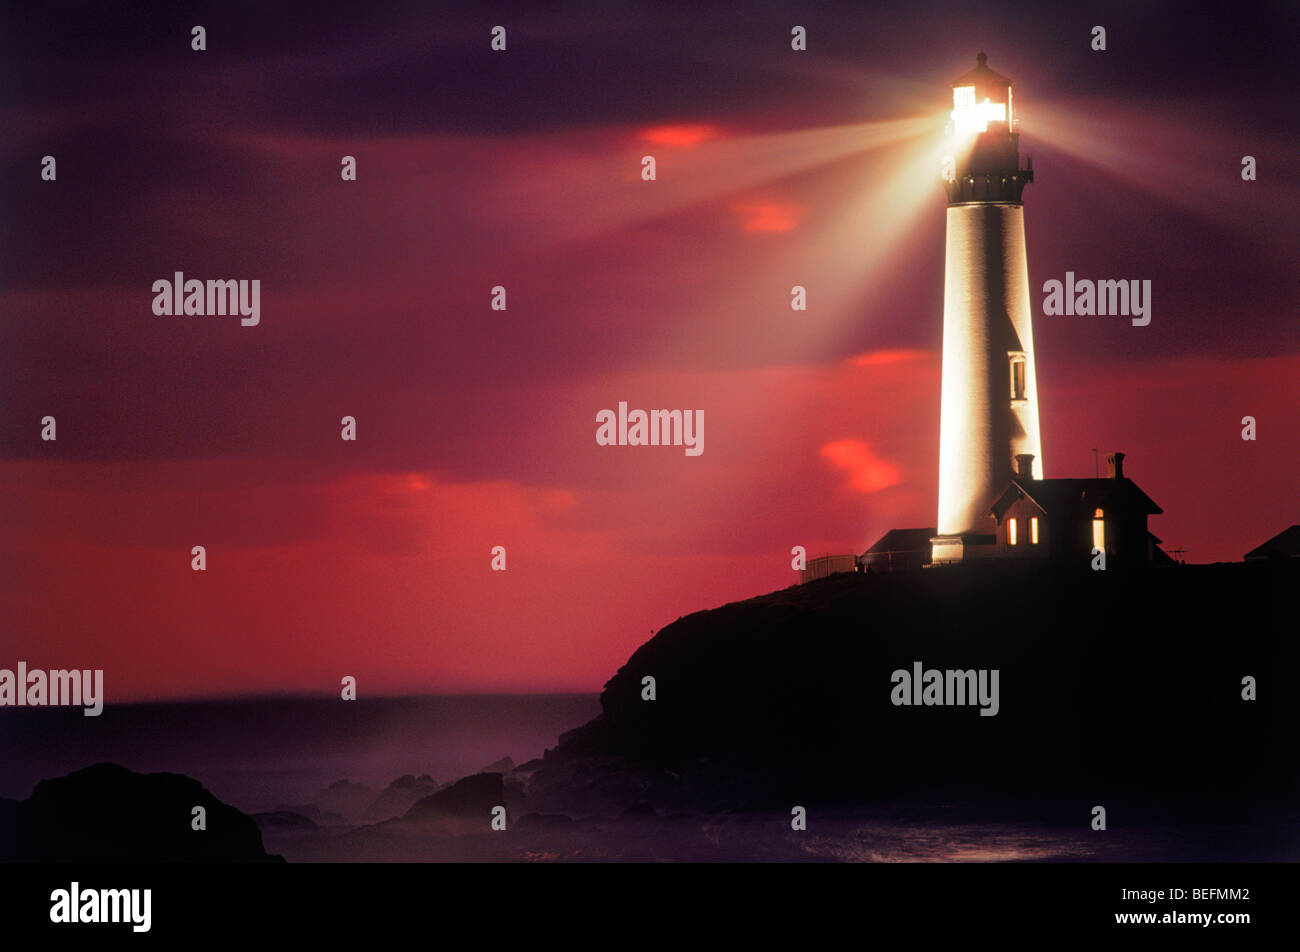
[[258, 753]]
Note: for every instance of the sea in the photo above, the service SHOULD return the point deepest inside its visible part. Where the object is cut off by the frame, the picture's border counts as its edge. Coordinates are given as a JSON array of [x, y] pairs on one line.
[[263, 754], [259, 753]]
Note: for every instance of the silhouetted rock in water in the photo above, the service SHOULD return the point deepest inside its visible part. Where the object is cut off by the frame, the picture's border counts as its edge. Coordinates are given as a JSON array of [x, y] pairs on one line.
[[283, 820], [1111, 683], [503, 766], [313, 813], [346, 798], [470, 798], [106, 813], [400, 795], [516, 793], [309, 810], [544, 821]]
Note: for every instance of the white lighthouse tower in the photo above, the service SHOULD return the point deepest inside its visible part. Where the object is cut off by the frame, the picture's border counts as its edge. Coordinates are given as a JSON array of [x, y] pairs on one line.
[[988, 426]]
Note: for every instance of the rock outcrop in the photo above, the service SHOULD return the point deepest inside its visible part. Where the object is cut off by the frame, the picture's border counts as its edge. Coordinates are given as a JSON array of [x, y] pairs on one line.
[[471, 797], [1116, 683], [399, 796], [107, 813]]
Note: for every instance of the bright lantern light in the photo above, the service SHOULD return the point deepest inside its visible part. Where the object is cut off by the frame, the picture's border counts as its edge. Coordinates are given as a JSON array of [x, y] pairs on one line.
[[970, 117]]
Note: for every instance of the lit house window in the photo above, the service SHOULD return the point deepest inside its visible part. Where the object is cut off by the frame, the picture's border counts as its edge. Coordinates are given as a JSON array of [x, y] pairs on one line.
[[1033, 530], [1017, 378], [1098, 531], [1011, 532]]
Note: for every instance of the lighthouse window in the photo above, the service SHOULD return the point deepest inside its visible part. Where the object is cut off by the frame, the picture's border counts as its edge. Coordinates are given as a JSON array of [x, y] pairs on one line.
[[1017, 378], [1011, 532]]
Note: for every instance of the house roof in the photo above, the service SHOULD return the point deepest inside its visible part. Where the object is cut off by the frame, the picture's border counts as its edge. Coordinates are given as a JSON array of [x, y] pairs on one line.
[[1286, 544], [1060, 496], [903, 540]]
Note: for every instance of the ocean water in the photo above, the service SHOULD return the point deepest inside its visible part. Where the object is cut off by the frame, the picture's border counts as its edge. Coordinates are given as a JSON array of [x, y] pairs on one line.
[[258, 753]]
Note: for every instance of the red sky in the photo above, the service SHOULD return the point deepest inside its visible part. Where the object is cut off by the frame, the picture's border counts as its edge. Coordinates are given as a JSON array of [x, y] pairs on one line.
[[477, 427]]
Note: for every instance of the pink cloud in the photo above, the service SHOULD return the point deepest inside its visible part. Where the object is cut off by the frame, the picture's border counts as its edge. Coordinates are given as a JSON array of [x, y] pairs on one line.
[[761, 217], [681, 134], [879, 358], [868, 473]]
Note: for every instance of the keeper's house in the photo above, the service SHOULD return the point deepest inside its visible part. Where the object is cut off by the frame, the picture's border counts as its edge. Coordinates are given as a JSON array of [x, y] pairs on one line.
[[1071, 518], [1058, 519]]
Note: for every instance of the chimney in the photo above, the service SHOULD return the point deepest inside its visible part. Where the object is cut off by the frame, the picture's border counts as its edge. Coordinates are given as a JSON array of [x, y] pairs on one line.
[[1115, 466], [1025, 465]]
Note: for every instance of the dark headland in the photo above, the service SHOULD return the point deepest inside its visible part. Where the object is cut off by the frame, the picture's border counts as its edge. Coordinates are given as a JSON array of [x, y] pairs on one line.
[[1127, 685]]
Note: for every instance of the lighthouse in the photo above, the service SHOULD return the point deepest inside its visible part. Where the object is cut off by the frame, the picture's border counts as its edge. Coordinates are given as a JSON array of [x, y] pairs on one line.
[[994, 501], [988, 426]]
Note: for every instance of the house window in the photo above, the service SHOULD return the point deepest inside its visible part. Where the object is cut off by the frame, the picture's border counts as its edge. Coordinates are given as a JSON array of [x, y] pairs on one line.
[[1017, 378], [1098, 530], [1011, 532], [1033, 530]]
